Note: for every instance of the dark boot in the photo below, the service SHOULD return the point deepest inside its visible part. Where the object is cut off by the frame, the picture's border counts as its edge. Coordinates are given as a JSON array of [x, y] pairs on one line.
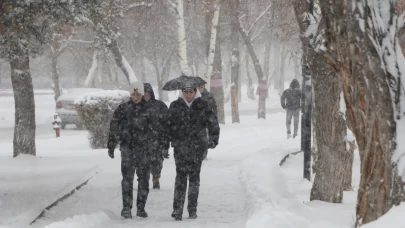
[[177, 215], [141, 213], [126, 213], [156, 184], [192, 215]]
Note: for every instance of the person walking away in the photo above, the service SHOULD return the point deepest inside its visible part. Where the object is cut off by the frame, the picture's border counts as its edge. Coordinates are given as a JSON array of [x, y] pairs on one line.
[[205, 95], [56, 124], [130, 129], [291, 102], [159, 142], [189, 118]]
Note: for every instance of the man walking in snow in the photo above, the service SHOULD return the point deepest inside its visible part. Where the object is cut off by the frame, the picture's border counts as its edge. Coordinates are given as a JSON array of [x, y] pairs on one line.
[[158, 141], [189, 118], [291, 102], [205, 95], [130, 128]]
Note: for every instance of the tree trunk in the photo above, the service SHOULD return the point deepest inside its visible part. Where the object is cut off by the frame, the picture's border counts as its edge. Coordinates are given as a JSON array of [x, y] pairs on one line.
[[347, 181], [217, 88], [281, 81], [329, 124], [262, 88], [330, 128], [143, 70], [250, 87], [89, 81], [235, 62], [24, 129], [296, 67], [181, 39], [122, 63], [354, 52], [212, 50], [55, 77], [165, 77]]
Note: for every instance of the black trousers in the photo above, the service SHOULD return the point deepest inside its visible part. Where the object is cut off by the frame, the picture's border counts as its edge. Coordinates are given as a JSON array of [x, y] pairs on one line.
[[156, 166], [186, 168], [130, 164]]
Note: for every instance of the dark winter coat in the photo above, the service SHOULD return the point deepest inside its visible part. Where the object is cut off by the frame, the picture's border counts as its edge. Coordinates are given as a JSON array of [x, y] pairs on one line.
[[291, 97], [157, 112], [211, 101], [188, 128], [130, 128]]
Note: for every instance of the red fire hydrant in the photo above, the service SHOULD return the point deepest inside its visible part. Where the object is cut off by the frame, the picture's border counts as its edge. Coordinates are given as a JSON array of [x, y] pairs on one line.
[[56, 124]]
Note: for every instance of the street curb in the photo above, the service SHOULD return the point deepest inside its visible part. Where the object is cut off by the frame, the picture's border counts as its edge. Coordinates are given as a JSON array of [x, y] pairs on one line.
[[287, 156], [63, 198]]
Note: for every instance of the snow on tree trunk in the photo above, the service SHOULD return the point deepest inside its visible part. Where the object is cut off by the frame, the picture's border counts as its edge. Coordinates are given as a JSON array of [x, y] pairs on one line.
[[235, 62], [262, 88], [368, 58], [212, 45], [24, 128], [330, 128], [122, 62], [181, 39], [331, 158], [92, 72], [217, 88]]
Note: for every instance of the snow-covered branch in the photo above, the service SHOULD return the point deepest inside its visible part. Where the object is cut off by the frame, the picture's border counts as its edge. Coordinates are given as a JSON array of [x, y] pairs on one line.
[[258, 19], [136, 5]]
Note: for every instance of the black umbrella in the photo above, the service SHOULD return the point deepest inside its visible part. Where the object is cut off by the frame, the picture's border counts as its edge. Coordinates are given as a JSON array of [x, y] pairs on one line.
[[183, 81]]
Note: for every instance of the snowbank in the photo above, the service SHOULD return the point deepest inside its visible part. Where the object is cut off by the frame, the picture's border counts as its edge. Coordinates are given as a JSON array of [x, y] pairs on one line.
[[278, 197], [95, 220], [394, 218], [47, 179], [269, 199]]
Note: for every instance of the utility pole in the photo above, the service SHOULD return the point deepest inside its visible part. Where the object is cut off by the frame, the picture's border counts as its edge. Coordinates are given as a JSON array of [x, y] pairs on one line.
[[306, 118]]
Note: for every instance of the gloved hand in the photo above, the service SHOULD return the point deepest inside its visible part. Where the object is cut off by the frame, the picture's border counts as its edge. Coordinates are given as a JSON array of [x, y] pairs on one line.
[[111, 153], [211, 145], [165, 153]]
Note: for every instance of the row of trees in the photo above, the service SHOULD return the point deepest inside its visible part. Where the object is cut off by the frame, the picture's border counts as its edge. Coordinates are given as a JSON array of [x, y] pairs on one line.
[[352, 49], [124, 37], [354, 55]]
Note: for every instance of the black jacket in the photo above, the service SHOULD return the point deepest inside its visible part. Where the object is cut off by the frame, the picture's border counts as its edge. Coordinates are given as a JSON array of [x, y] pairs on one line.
[[157, 112], [291, 97], [211, 101], [188, 126], [130, 128]]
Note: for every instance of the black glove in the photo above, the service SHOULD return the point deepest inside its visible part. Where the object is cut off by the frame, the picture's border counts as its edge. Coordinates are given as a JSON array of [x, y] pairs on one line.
[[111, 153], [165, 153], [211, 145]]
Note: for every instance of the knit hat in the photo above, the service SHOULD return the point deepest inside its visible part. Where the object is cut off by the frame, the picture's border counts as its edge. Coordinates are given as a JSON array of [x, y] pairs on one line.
[[136, 87]]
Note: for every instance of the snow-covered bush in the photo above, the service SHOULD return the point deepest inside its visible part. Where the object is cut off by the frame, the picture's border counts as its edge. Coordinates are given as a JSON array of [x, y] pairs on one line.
[[96, 110]]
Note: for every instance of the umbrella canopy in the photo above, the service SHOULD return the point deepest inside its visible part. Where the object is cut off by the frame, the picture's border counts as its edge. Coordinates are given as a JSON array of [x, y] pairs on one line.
[[182, 82]]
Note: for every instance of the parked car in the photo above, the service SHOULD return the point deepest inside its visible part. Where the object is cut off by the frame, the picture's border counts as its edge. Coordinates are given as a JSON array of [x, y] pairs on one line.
[[65, 106]]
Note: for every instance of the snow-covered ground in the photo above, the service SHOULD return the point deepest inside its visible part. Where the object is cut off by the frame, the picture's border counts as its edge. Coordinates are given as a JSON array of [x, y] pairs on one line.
[[242, 184]]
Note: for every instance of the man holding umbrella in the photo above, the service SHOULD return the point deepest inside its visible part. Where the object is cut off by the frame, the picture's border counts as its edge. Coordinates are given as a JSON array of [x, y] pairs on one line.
[[189, 118]]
